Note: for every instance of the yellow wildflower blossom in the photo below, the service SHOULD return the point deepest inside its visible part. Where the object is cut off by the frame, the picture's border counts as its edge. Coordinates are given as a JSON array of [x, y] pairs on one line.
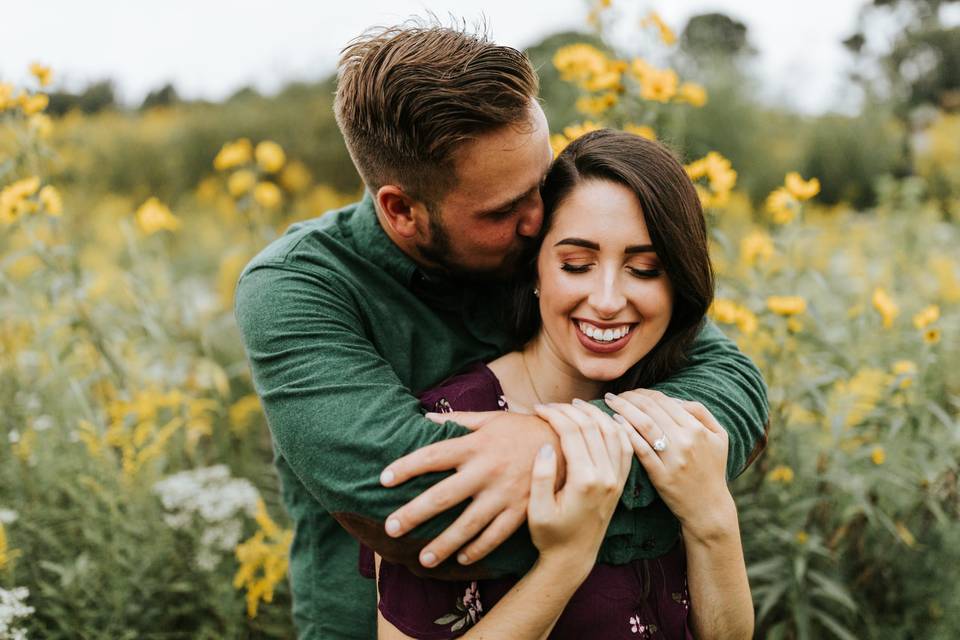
[[295, 177], [877, 455], [782, 206], [905, 369], [641, 130], [240, 182], [559, 141], [856, 398], [720, 175], [42, 73], [756, 247], [885, 306], [7, 555], [243, 412], [727, 311], [33, 104], [932, 336], [270, 156], [667, 36], [781, 473], [267, 195], [6, 96], [154, 216], [14, 199], [42, 125], [800, 189], [233, 154], [926, 317], [597, 105], [692, 93], [51, 200], [786, 305], [802, 537], [905, 534], [588, 67], [659, 85], [263, 560]]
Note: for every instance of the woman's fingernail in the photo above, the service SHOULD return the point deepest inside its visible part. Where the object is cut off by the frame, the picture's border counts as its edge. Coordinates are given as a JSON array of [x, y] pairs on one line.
[[577, 402], [463, 558], [393, 526], [387, 477], [433, 417], [546, 452], [610, 396], [428, 559]]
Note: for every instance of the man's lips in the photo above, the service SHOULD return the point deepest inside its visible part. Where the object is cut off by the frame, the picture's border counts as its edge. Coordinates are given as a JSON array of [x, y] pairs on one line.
[[603, 347]]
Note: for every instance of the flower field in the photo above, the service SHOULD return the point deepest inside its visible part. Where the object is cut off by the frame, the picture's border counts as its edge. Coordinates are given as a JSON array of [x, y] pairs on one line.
[[137, 495]]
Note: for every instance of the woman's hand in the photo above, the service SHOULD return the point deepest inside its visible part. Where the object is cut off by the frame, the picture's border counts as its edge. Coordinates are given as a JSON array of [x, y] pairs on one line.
[[568, 527], [690, 473]]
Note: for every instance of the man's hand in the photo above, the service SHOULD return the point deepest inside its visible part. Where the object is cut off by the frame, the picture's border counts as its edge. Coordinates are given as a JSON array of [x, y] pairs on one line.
[[493, 467]]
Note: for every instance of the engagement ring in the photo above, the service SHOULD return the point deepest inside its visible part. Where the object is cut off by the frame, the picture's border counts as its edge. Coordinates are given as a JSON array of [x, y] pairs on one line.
[[660, 444]]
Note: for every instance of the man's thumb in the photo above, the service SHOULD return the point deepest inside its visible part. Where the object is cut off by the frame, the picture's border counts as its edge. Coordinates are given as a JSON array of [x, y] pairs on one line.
[[542, 501]]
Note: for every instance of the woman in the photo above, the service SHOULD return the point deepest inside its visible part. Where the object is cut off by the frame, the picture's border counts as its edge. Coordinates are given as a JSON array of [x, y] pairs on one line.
[[614, 295]]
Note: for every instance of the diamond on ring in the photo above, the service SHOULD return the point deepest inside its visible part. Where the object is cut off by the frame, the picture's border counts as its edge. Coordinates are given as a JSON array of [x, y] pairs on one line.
[[660, 444]]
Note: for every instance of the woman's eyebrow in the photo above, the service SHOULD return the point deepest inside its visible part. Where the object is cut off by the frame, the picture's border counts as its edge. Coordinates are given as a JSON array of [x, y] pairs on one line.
[[588, 244]]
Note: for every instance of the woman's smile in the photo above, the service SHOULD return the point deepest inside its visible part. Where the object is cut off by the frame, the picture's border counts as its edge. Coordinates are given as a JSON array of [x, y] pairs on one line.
[[601, 337]]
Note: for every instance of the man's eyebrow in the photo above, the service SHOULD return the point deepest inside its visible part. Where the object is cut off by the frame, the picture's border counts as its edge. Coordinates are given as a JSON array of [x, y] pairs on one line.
[[588, 244]]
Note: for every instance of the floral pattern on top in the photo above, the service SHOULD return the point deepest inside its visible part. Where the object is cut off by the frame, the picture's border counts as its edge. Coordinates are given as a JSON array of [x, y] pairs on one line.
[[469, 610]]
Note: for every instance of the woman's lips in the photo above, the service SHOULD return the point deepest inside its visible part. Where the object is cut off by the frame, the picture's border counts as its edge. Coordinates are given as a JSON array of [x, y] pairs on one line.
[[602, 347]]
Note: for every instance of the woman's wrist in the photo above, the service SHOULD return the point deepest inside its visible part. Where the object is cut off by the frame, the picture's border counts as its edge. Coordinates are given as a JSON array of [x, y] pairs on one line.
[[568, 565], [714, 526]]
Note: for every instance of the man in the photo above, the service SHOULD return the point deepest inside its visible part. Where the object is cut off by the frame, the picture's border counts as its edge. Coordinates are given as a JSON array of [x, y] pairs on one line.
[[347, 316]]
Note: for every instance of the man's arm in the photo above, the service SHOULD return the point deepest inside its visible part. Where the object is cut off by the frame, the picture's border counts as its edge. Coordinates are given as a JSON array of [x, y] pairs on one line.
[[338, 414]]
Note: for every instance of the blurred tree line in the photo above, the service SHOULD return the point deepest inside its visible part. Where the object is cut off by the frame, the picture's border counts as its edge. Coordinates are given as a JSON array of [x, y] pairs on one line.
[[848, 153]]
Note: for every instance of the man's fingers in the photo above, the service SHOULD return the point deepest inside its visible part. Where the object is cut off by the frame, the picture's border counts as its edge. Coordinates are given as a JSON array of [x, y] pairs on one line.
[[447, 493], [493, 536], [472, 420], [571, 440], [439, 456], [542, 502], [464, 529], [611, 435]]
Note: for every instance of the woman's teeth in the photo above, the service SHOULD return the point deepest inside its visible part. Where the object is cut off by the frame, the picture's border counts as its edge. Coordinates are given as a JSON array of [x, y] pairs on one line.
[[604, 335]]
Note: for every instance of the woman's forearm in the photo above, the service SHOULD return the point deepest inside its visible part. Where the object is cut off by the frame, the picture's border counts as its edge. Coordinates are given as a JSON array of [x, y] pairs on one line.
[[720, 601], [531, 608]]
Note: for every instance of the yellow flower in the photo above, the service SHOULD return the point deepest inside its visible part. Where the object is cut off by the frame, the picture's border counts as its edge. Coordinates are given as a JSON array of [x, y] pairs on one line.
[[589, 67], [270, 156], [794, 325], [885, 306], [51, 201], [692, 93], [727, 311], [781, 473], [295, 177], [263, 559], [596, 105], [14, 199], [720, 175], [782, 206], [905, 534], [7, 555], [906, 369], [659, 85], [154, 216], [243, 412], [756, 247], [267, 195], [878, 455], [6, 96], [926, 317], [786, 305], [240, 182], [32, 104], [41, 124], [666, 34], [800, 189], [641, 130], [931, 336], [559, 141], [43, 74], [233, 154], [802, 537]]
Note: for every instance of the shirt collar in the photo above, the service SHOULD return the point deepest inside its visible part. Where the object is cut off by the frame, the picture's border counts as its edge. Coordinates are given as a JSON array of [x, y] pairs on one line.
[[373, 243]]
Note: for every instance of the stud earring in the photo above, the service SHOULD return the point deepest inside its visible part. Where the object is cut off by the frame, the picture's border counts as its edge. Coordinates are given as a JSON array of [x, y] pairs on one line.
[[536, 292]]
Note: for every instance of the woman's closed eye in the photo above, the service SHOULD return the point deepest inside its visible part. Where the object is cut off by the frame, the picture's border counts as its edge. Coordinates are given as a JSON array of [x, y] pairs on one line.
[[645, 273], [575, 268]]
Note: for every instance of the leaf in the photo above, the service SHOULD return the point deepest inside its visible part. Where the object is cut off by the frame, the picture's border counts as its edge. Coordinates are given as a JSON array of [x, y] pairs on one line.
[[765, 568], [831, 623], [770, 601], [459, 625], [447, 619], [832, 590]]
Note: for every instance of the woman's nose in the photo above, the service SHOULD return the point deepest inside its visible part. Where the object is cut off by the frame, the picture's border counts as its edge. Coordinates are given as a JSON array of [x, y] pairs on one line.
[[607, 300]]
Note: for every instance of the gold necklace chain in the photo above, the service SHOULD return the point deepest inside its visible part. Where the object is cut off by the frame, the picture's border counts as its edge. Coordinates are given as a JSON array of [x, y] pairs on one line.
[[523, 356]]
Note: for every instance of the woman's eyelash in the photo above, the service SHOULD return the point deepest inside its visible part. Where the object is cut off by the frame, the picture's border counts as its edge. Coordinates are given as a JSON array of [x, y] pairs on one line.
[[645, 273], [575, 268]]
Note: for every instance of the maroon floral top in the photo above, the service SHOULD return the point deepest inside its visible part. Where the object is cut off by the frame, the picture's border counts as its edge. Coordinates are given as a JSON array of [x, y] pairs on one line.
[[646, 599]]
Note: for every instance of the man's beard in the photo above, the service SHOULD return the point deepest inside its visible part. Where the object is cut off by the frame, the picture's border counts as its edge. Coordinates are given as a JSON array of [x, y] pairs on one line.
[[439, 251]]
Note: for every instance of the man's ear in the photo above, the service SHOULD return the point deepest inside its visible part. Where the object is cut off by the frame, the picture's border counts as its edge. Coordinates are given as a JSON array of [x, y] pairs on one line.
[[398, 208]]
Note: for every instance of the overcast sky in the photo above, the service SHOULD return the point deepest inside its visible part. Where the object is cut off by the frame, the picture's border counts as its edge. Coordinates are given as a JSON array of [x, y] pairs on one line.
[[210, 48]]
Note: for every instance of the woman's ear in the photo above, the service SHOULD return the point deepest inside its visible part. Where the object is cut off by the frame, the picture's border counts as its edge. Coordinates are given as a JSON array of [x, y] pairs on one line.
[[398, 209]]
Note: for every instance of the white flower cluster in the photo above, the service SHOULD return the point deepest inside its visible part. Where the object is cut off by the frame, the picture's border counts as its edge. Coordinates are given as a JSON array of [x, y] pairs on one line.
[[12, 607], [8, 516], [210, 498]]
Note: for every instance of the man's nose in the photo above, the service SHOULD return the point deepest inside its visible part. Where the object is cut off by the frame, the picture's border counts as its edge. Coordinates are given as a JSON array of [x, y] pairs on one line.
[[531, 219]]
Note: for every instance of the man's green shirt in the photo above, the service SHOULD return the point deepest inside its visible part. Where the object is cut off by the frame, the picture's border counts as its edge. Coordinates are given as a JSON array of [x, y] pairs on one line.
[[342, 329]]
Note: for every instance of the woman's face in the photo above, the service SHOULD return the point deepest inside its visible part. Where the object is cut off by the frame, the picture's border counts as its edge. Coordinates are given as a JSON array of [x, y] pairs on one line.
[[605, 300]]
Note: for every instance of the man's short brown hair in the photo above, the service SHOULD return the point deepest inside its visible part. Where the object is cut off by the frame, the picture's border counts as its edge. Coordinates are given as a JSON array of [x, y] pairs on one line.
[[408, 95]]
